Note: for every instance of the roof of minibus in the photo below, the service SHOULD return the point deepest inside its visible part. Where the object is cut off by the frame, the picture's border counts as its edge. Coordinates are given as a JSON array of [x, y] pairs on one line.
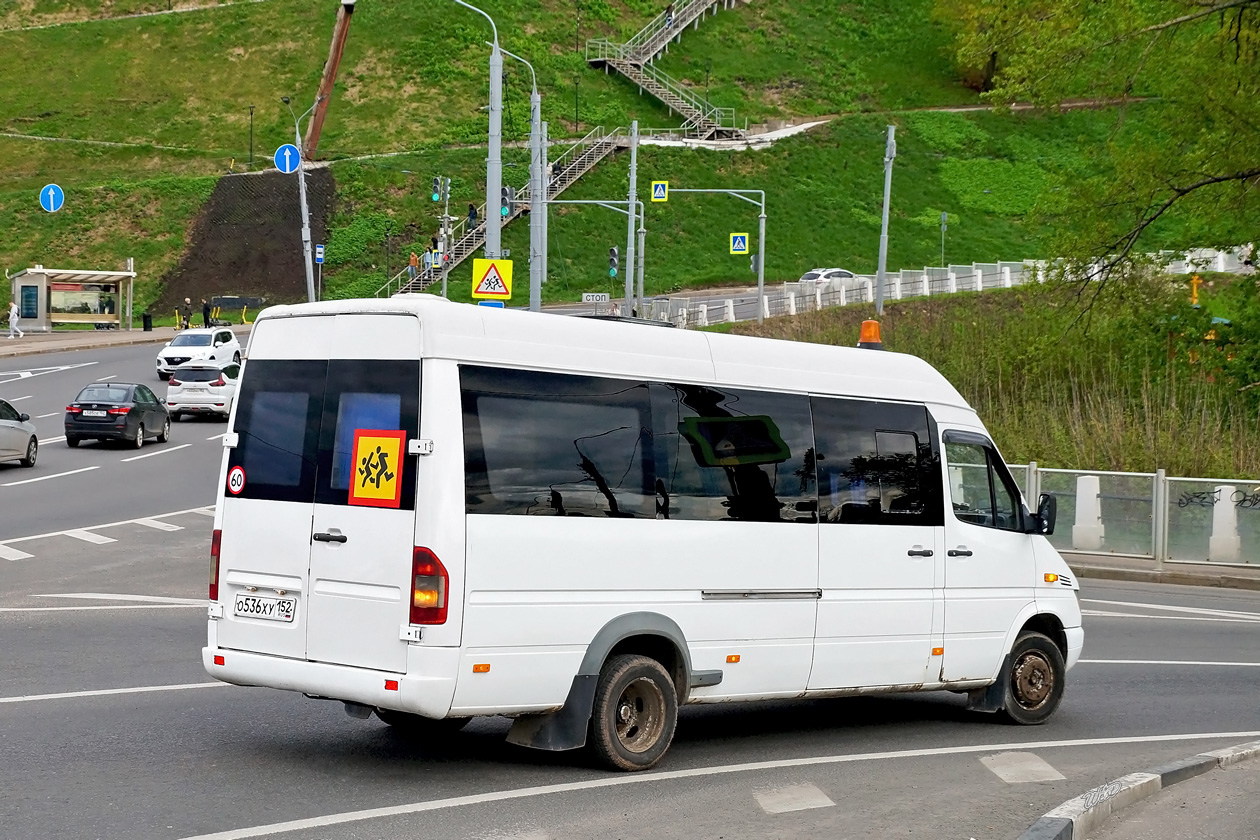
[[516, 338]]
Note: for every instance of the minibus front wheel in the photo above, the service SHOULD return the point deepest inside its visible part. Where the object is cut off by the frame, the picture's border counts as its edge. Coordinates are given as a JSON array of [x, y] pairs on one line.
[[1034, 687], [635, 713]]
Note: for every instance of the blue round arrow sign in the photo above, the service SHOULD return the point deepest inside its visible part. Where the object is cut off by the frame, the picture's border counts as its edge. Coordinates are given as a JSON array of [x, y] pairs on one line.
[[51, 198], [288, 158]]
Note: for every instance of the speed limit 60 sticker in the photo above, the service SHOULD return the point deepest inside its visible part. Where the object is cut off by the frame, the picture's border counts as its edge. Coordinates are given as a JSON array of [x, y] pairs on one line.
[[236, 480]]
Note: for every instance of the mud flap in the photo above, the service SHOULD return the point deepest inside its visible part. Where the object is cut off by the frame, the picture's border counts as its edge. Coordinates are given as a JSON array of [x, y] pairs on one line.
[[992, 698], [562, 730]]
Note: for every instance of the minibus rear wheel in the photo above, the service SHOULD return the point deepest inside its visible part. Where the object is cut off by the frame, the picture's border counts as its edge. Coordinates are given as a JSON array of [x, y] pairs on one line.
[[419, 725], [1035, 684], [635, 713]]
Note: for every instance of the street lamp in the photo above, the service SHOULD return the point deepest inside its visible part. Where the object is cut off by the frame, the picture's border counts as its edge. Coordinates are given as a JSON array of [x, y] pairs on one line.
[[494, 156], [306, 215], [251, 137], [537, 190]]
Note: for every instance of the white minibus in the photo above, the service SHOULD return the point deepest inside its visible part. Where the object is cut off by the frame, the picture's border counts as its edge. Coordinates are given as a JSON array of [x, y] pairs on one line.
[[431, 512]]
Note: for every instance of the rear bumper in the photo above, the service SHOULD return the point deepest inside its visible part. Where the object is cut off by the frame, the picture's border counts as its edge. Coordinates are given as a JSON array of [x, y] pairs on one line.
[[427, 689], [101, 431], [206, 405]]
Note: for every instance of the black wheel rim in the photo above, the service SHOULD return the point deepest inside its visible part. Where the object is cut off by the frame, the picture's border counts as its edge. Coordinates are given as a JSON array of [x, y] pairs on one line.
[[640, 715], [1032, 680]]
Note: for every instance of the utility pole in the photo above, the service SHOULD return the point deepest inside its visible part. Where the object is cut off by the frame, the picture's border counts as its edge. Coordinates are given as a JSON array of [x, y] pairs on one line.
[[251, 137], [890, 153], [631, 198], [306, 214], [944, 227], [341, 30], [494, 156], [639, 268], [544, 153], [537, 190], [760, 257]]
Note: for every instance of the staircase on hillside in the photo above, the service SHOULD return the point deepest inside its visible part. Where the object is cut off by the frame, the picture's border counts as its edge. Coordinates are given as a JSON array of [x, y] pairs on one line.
[[575, 162], [634, 58]]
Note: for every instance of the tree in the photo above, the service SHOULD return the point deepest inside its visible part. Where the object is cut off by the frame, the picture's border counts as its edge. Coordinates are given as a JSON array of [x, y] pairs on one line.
[[1181, 167]]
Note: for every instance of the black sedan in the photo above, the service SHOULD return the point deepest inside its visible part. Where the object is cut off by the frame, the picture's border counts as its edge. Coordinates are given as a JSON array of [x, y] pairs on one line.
[[117, 411]]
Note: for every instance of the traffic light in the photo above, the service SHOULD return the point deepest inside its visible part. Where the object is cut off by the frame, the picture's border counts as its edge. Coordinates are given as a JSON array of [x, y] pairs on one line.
[[509, 198], [446, 189], [437, 188], [752, 263], [612, 261]]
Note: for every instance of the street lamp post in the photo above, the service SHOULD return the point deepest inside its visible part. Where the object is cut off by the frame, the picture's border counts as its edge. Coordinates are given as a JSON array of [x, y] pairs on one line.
[[537, 190], [251, 137], [760, 201], [306, 215], [890, 153], [494, 156]]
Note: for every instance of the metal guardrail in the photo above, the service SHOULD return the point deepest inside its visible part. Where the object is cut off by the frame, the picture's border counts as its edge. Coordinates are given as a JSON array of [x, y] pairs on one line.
[[648, 41]]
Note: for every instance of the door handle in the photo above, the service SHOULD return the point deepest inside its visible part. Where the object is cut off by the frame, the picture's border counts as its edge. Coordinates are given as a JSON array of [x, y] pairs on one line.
[[961, 551], [337, 538], [919, 552]]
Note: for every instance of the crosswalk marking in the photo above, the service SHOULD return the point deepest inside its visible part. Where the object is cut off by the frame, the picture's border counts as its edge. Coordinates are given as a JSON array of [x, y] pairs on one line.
[[794, 798], [89, 537], [1020, 767], [9, 553], [158, 525]]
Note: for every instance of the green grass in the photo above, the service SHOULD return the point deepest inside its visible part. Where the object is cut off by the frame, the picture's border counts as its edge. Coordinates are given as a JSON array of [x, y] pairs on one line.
[[1136, 392]]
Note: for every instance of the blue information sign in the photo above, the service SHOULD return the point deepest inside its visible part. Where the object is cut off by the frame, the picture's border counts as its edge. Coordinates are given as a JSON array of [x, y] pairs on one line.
[[319, 253], [51, 198], [496, 304], [288, 158]]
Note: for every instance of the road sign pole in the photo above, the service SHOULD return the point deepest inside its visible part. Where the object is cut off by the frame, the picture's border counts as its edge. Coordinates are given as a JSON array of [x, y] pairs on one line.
[[306, 219], [761, 257], [537, 199], [631, 197], [639, 268], [494, 160], [890, 152]]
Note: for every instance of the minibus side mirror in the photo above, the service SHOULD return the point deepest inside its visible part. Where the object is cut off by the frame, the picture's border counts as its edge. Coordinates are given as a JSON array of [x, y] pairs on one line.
[[1047, 510]]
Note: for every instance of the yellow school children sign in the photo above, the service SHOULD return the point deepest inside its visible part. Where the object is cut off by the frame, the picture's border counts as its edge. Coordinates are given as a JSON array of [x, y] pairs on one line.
[[492, 279], [377, 478]]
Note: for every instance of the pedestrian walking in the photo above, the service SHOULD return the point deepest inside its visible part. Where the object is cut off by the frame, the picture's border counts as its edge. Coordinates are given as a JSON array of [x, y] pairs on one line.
[[428, 260], [14, 317], [412, 265], [186, 314], [472, 216], [669, 16], [205, 313]]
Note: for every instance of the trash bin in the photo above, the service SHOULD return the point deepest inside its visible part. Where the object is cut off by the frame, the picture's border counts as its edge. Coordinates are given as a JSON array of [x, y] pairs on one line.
[[148, 321]]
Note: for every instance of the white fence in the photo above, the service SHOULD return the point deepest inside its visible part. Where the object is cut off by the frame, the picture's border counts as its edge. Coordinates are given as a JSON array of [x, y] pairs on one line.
[[1169, 519], [795, 297]]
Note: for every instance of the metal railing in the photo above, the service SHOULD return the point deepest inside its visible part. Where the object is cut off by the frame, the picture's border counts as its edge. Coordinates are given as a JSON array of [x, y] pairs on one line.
[[649, 40]]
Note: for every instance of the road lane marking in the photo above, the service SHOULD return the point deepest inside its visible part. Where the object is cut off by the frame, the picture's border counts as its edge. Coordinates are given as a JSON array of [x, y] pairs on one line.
[[19, 399], [42, 416], [88, 536], [1170, 608], [158, 452], [204, 510], [7, 553], [53, 440], [1017, 768], [30, 373], [94, 607], [1107, 614], [695, 773], [217, 437], [1200, 663], [46, 477], [105, 692], [794, 798], [110, 596], [103, 378], [157, 525]]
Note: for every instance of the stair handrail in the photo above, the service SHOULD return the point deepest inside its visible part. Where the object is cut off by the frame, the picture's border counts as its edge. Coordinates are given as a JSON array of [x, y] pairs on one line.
[[684, 13], [720, 117]]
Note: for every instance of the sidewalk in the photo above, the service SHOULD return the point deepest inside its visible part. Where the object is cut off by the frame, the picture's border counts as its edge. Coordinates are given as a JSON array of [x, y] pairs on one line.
[[66, 340], [1107, 567], [1222, 804]]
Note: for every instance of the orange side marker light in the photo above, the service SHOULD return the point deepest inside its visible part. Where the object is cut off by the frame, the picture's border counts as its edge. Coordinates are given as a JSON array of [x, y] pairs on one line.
[[733, 658], [483, 668]]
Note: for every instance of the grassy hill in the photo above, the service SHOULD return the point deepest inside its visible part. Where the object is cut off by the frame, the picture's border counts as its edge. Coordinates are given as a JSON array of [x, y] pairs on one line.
[[1147, 382]]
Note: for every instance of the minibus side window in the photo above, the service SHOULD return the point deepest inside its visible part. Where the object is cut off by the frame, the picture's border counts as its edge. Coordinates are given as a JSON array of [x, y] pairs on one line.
[[544, 444], [277, 421], [731, 454], [877, 464], [981, 489]]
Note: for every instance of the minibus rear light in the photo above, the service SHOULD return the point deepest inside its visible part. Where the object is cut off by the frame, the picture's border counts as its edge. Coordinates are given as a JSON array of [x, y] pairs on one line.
[[215, 540], [429, 584]]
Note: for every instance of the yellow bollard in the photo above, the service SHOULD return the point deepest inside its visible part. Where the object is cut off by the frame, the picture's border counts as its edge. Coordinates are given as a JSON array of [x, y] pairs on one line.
[[177, 321], [244, 309]]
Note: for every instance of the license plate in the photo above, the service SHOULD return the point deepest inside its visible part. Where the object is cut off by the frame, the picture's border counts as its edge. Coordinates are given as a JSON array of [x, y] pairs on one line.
[[194, 389], [269, 609]]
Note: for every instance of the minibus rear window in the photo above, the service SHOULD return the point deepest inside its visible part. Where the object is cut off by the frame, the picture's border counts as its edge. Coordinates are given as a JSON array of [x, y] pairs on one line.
[[277, 421]]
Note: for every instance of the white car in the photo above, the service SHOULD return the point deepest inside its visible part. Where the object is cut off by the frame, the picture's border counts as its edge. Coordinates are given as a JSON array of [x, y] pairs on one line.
[[203, 388], [18, 441], [823, 276], [213, 344]]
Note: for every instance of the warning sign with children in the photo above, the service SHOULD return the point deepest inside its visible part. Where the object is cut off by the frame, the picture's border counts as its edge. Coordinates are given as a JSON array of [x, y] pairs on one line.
[[377, 480], [492, 279]]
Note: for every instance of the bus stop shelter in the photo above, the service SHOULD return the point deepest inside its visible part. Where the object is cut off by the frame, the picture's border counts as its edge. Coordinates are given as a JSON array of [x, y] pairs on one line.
[[47, 297]]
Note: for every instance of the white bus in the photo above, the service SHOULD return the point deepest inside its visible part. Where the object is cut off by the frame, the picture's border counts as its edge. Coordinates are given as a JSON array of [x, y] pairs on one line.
[[431, 512]]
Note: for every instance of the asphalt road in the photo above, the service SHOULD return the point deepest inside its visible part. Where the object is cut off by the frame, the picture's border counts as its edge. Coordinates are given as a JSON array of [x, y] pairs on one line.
[[1168, 672], [98, 482]]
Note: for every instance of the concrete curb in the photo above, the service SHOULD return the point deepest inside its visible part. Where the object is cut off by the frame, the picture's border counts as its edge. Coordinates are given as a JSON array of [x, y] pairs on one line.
[[1085, 813], [33, 351], [1173, 577]]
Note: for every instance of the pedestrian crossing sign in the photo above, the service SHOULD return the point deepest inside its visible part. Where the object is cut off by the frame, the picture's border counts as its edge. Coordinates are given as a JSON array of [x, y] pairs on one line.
[[739, 243], [377, 477], [660, 190], [492, 279]]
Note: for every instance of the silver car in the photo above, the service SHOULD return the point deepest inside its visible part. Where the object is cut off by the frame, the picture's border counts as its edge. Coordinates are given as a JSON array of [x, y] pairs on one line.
[[18, 441]]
